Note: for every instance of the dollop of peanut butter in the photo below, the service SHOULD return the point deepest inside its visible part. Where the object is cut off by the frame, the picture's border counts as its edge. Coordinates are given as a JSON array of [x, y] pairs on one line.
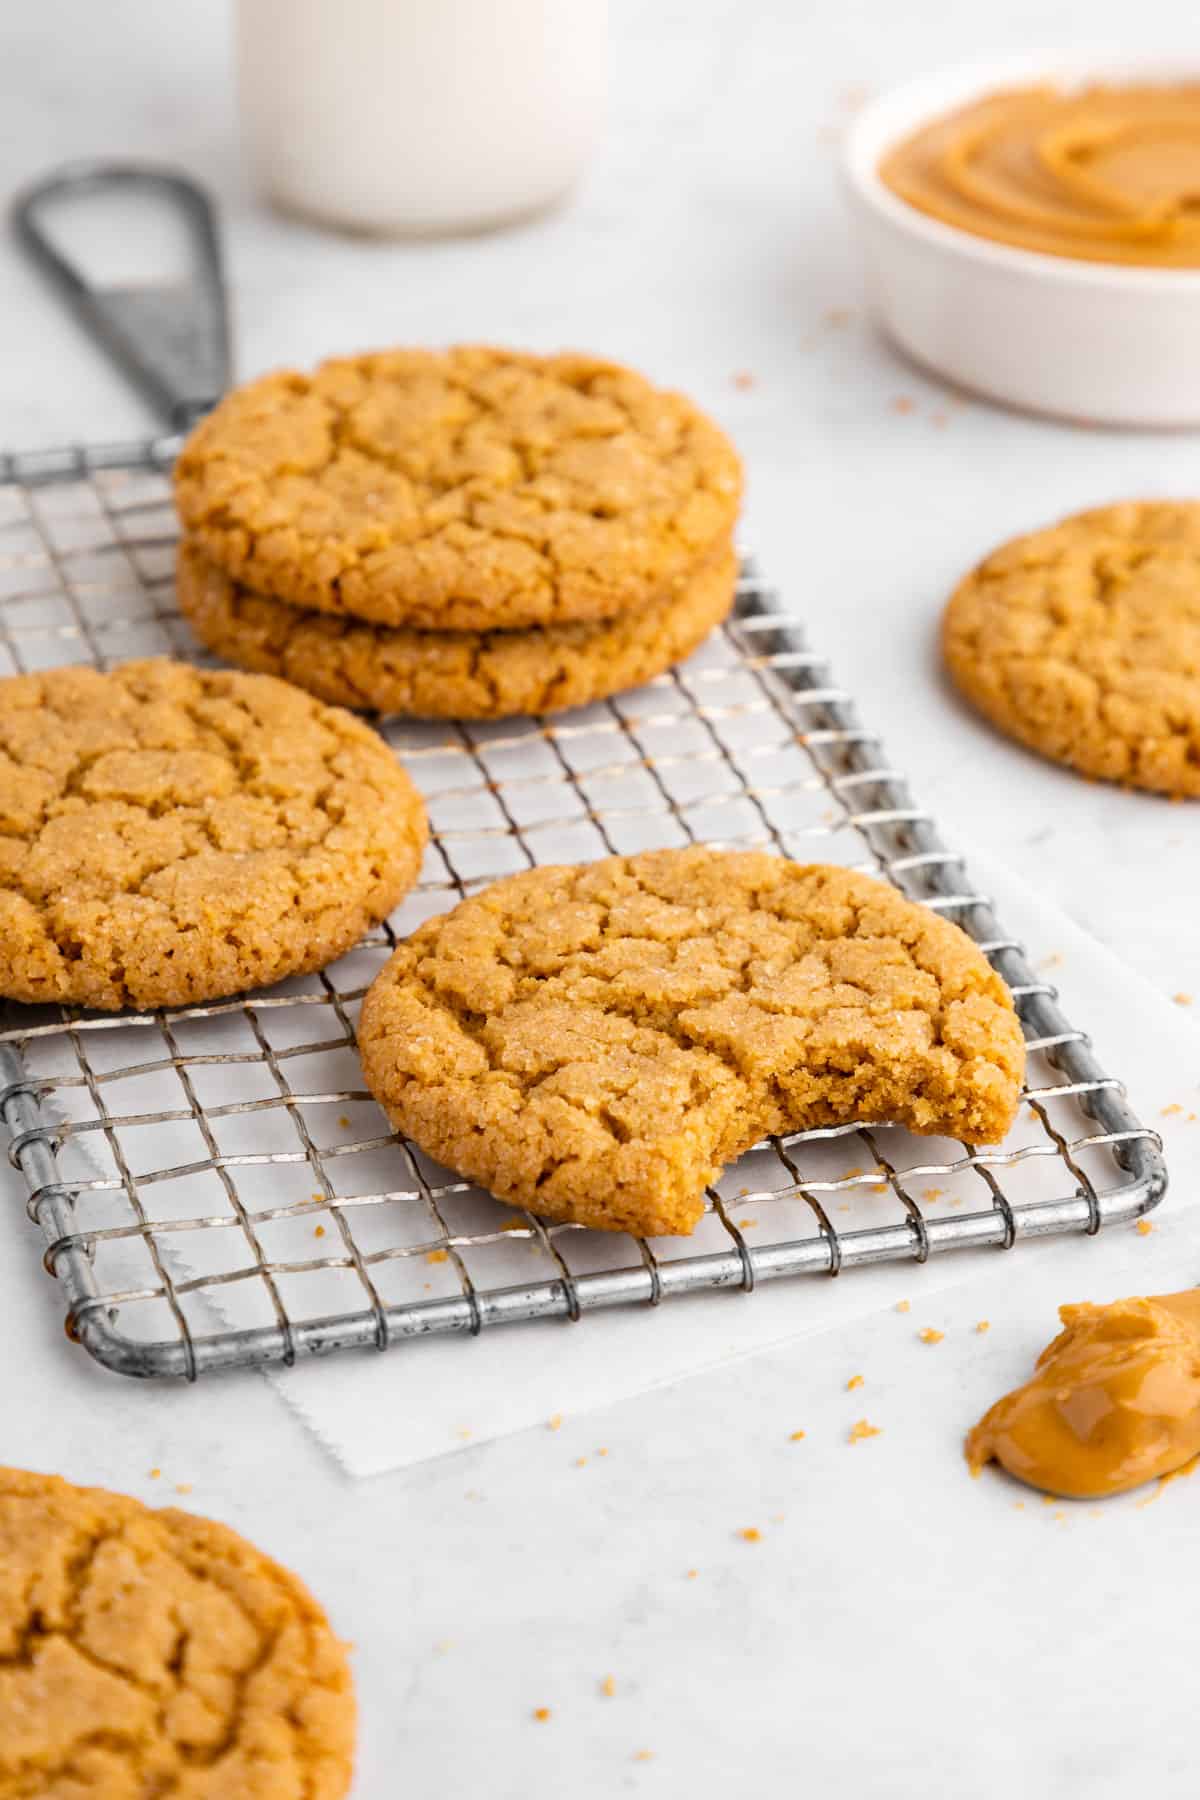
[[1114, 1401], [1106, 174]]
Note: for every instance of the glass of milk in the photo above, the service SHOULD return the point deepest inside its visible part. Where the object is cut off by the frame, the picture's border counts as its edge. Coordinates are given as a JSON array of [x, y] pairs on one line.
[[404, 117]]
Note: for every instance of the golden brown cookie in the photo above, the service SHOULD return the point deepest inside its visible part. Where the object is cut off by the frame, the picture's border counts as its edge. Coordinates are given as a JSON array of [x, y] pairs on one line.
[[459, 490], [450, 674], [1083, 642], [169, 835], [155, 1653], [596, 1042]]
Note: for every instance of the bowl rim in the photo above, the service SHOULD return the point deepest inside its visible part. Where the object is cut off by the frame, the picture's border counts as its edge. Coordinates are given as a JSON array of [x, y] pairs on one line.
[[903, 107]]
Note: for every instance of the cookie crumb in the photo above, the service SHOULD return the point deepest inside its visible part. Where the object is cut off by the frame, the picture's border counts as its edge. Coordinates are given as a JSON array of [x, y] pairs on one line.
[[318, 1231], [795, 1437], [183, 1487], [902, 403], [554, 1421], [580, 1462], [1168, 1112], [643, 1756], [437, 1256], [603, 1450], [156, 1474], [343, 1121], [931, 1194], [1182, 999], [692, 1574], [608, 1687], [982, 1325], [855, 1381], [750, 1534], [541, 1714], [745, 1224], [904, 1306], [1144, 1227], [930, 1335], [744, 380], [514, 1225], [863, 1429]]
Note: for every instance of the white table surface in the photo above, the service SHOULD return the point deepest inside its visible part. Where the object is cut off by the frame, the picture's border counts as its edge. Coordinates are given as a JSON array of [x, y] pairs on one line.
[[708, 241]]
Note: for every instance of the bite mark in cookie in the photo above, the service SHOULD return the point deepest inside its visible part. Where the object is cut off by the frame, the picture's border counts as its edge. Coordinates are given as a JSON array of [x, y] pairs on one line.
[[596, 1042]]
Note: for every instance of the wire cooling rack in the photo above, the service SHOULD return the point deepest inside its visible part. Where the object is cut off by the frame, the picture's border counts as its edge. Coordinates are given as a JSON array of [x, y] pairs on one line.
[[217, 1188]]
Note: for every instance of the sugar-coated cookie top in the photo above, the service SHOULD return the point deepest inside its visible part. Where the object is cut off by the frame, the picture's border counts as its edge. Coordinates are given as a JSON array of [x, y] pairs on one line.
[[460, 489], [1083, 641], [170, 834], [147, 1652]]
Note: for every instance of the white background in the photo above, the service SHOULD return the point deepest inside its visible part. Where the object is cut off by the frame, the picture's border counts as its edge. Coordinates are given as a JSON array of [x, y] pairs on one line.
[[900, 1631]]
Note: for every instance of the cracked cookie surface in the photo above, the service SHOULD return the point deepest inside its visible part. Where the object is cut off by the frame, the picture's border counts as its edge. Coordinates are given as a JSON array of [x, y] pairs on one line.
[[169, 835], [153, 1653], [1083, 643], [596, 1042], [450, 674], [460, 490]]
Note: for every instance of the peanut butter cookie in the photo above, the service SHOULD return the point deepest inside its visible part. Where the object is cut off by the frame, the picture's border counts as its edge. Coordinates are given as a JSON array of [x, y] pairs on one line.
[[459, 490], [153, 1653], [450, 674], [596, 1042], [1083, 642], [169, 835]]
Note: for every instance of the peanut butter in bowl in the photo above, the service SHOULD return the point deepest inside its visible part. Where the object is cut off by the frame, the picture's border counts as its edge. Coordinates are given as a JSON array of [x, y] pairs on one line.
[[1100, 173]]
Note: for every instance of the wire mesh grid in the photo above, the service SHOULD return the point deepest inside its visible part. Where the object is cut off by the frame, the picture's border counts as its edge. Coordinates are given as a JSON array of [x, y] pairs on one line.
[[214, 1183]]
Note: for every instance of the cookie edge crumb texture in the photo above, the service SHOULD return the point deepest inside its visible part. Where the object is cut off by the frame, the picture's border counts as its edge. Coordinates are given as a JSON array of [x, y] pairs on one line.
[[451, 675]]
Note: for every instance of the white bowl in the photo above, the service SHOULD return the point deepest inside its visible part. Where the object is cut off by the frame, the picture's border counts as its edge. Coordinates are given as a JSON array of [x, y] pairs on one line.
[[1100, 342]]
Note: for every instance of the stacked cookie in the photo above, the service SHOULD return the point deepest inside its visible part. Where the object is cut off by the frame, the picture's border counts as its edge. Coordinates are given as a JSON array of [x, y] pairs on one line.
[[470, 533]]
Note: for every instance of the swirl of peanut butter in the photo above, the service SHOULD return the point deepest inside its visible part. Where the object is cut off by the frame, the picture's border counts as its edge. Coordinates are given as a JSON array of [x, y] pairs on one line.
[[1114, 1401], [1105, 174]]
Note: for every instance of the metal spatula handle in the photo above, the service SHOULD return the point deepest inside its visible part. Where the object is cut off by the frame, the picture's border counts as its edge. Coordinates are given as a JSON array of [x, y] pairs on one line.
[[171, 339]]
